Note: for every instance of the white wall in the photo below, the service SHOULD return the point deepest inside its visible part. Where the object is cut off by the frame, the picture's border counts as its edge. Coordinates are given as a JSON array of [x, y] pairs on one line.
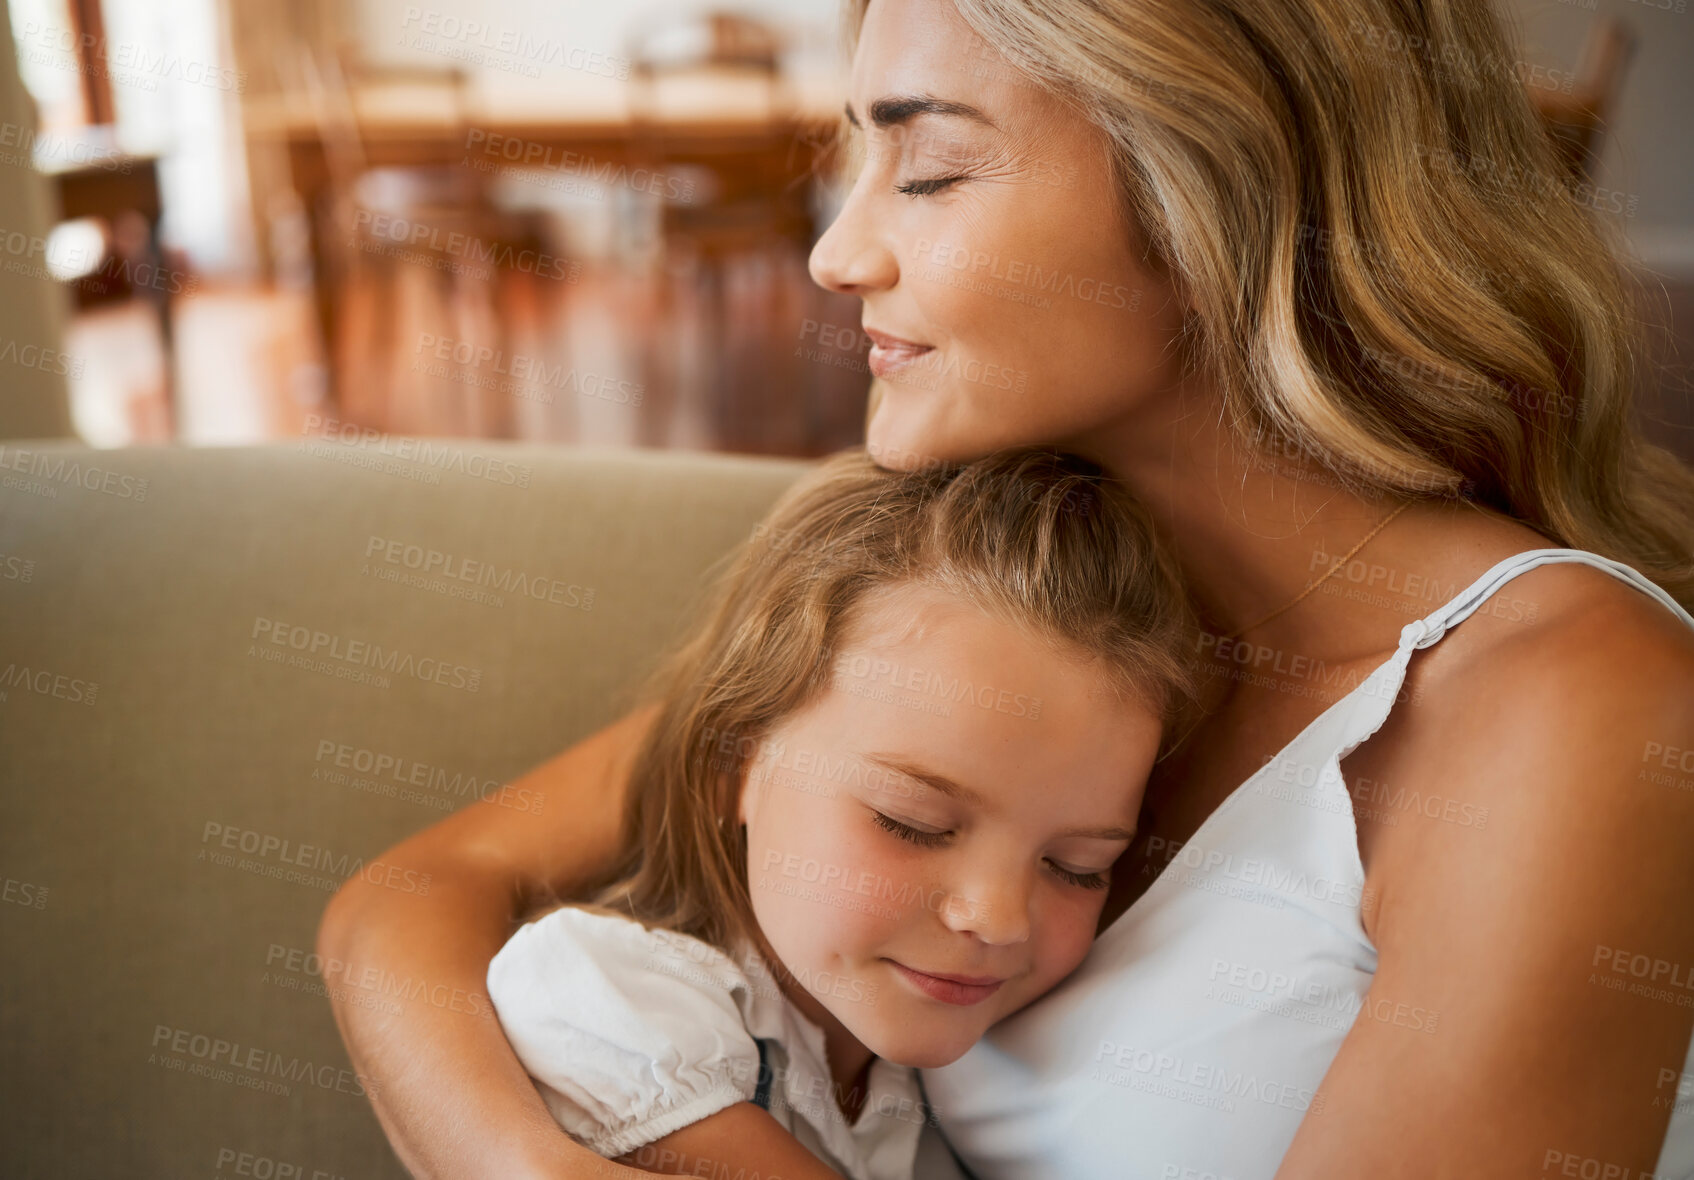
[[385, 26]]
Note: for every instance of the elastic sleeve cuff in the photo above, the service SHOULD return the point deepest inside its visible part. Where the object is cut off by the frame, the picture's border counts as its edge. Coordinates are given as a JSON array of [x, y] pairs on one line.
[[624, 1140]]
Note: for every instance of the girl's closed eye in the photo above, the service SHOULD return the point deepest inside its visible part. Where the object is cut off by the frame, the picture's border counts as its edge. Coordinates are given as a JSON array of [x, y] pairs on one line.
[[907, 832], [1097, 880], [1083, 880]]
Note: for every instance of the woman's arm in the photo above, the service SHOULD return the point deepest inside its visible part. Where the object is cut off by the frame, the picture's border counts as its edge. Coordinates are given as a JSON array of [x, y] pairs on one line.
[[1506, 1032], [449, 1091], [718, 1146], [450, 1094]]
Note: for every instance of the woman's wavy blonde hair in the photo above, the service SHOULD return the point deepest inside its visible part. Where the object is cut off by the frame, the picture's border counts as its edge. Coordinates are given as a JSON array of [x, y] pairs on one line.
[[1045, 541], [1388, 269]]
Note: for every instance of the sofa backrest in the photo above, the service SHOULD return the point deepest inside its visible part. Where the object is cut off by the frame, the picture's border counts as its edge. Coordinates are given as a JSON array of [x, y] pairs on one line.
[[230, 676]]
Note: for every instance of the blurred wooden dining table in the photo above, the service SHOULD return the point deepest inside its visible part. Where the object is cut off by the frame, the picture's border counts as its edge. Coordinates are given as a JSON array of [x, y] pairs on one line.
[[589, 127]]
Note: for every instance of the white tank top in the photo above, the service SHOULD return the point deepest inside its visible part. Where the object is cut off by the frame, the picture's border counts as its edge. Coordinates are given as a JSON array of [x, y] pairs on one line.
[[1191, 1042]]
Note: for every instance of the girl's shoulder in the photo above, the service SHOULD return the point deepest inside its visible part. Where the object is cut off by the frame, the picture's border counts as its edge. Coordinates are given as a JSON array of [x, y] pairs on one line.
[[631, 1032], [573, 937]]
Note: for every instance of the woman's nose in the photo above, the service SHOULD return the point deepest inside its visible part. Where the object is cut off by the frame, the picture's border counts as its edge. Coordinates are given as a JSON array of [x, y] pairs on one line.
[[994, 906], [851, 257]]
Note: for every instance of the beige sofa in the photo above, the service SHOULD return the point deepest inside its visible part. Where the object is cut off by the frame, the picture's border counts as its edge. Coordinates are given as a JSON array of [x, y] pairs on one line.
[[229, 678]]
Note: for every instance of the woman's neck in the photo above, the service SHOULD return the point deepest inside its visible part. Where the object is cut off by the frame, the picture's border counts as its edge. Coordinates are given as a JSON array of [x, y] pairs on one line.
[[1250, 529]]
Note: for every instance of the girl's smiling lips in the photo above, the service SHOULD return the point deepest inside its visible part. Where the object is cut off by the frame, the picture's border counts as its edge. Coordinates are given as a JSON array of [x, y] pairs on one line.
[[951, 989], [892, 353]]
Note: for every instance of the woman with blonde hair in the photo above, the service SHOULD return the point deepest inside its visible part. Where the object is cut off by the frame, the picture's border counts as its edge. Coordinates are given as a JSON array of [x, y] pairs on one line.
[[1409, 899]]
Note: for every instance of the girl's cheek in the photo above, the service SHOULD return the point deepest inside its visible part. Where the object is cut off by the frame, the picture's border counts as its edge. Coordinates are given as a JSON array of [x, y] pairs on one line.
[[1070, 930], [820, 887], [877, 883]]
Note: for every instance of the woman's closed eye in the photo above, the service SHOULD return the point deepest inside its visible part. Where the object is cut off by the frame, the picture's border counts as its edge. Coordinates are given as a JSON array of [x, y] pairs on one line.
[[929, 187]]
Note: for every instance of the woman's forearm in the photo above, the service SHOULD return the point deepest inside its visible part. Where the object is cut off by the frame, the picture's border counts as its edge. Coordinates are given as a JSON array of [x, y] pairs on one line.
[[452, 1097], [451, 1094]]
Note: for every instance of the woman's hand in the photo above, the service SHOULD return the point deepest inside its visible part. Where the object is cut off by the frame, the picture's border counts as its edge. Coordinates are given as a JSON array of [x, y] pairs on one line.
[[450, 1094]]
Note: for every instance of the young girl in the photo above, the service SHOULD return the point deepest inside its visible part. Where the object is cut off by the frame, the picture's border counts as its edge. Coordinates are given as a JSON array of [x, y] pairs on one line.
[[875, 814]]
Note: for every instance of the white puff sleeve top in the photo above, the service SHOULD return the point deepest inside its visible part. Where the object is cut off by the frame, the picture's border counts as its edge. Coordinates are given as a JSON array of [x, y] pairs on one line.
[[631, 1034]]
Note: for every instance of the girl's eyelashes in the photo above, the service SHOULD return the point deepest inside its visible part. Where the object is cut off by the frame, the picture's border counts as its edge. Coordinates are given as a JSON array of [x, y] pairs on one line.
[[1085, 880], [930, 839], [927, 188], [906, 832]]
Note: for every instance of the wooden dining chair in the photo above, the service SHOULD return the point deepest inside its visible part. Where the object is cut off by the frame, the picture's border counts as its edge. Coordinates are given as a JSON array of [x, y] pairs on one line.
[[739, 207], [379, 286]]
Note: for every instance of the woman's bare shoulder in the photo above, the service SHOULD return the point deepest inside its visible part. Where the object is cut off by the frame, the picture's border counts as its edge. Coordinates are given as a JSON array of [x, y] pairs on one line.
[[1569, 627], [1557, 696], [1569, 623], [1550, 713]]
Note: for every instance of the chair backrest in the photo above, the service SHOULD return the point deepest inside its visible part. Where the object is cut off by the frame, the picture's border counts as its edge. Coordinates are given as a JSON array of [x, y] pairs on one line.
[[342, 89], [712, 39], [446, 90], [316, 80], [1606, 54]]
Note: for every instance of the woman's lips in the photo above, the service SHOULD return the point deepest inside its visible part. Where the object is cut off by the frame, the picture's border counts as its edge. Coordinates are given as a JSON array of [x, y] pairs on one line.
[[890, 354], [949, 989]]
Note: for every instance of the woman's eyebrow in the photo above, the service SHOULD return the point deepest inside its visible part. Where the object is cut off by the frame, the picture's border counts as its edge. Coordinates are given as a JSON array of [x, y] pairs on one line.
[[895, 110]]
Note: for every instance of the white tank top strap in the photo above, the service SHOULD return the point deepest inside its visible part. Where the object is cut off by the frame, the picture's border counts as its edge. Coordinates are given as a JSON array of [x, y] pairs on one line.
[[1363, 712], [1428, 630]]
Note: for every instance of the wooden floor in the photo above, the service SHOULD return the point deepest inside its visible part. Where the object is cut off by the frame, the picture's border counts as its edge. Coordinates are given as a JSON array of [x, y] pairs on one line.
[[754, 359]]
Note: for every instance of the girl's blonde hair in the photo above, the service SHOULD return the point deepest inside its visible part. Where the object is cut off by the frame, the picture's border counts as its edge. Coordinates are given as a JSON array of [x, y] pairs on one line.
[[1043, 541], [1389, 270]]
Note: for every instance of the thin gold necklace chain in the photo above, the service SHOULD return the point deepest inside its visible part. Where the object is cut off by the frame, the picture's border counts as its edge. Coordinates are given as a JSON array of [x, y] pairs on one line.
[[1337, 567]]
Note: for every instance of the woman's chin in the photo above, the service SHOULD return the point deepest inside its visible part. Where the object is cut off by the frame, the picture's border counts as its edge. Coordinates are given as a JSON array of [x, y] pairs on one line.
[[902, 436]]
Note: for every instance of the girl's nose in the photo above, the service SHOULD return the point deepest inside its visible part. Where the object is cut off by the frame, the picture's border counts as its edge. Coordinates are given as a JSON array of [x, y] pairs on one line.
[[994, 906]]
